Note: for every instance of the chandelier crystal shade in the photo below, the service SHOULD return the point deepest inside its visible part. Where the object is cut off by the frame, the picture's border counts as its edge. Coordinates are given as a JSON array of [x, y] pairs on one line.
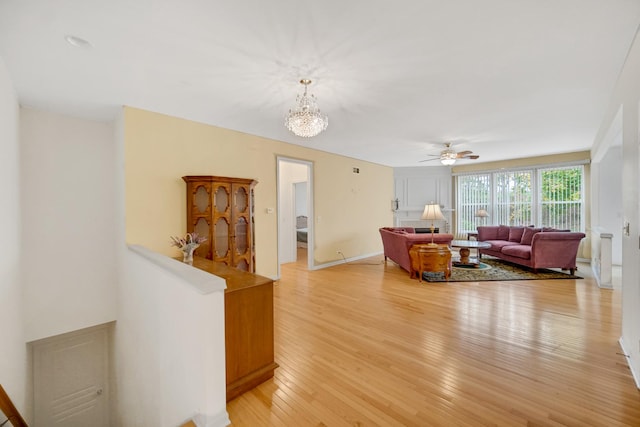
[[306, 120]]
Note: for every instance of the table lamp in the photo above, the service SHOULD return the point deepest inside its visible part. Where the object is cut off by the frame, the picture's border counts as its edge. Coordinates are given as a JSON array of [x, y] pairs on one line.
[[431, 213], [482, 213]]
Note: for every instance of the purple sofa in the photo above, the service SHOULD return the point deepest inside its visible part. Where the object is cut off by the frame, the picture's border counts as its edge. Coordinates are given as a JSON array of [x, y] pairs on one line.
[[532, 247], [398, 240]]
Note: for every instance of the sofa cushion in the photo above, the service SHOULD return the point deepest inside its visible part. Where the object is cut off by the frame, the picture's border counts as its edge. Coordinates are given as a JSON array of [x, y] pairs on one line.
[[497, 245], [503, 232], [518, 251], [527, 236], [515, 234]]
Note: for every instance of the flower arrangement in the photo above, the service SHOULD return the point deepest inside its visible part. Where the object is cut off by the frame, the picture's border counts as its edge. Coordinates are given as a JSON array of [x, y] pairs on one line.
[[187, 245]]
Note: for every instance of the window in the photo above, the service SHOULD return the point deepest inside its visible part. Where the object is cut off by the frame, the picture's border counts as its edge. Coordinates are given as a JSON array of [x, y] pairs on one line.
[[513, 198], [545, 197], [561, 198], [473, 194]]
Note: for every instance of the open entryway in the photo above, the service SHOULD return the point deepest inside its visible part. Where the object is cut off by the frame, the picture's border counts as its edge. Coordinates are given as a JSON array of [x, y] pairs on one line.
[[295, 211]]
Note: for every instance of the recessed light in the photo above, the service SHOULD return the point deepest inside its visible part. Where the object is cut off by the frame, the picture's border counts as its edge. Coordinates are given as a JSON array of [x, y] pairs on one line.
[[76, 41]]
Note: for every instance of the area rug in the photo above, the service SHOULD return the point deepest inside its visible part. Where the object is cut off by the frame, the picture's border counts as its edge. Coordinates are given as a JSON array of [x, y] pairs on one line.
[[498, 270]]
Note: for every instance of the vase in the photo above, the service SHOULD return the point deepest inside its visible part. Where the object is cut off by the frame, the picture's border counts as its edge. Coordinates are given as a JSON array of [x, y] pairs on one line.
[[187, 253]]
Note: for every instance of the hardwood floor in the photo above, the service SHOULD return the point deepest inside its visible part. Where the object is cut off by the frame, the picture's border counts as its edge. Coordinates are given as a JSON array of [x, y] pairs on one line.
[[361, 344]]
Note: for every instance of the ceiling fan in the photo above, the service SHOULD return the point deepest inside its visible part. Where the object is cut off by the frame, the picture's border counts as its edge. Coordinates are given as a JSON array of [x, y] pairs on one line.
[[448, 156]]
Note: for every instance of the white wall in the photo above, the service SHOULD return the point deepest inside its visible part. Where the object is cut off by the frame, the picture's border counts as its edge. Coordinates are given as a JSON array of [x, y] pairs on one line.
[[300, 192], [417, 186], [610, 200], [626, 98], [169, 340], [13, 366], [68, 194]]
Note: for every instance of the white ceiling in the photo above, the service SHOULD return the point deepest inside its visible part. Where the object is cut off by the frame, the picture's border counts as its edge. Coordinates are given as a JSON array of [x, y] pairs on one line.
[[503, 78]]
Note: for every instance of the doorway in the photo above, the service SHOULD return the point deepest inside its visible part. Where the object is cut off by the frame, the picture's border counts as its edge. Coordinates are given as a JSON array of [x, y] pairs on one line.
[[295, 211]]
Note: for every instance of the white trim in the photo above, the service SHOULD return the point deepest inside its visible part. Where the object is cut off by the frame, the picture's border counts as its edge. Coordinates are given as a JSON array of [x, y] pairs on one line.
[[626, 354], [203, 282], [345, 261], [220, 419]]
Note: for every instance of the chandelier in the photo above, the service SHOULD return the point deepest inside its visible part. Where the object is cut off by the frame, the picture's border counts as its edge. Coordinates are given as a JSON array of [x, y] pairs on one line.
[[306, 120]]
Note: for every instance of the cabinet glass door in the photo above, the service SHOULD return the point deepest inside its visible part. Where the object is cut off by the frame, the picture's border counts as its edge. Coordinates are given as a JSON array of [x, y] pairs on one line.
[[202, 226], [222, 225], [222, 238], [241, 228]]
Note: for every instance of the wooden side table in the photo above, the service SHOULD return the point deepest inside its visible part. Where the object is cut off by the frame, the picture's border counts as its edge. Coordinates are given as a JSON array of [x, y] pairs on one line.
[[434, 259]]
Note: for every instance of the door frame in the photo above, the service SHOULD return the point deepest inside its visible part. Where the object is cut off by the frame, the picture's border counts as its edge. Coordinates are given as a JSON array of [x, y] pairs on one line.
[[310, 222]]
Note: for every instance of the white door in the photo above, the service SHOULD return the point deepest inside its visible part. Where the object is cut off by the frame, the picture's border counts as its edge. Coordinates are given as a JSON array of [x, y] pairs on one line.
[[71, 374]]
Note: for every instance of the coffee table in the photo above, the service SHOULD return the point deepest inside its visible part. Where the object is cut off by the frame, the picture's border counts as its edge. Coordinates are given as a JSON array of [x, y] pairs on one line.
[[465, 250]]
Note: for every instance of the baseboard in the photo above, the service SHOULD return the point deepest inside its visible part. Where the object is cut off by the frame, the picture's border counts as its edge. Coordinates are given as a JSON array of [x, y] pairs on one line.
[[345, 261], [249, 381], [221, 419], [636, 378]]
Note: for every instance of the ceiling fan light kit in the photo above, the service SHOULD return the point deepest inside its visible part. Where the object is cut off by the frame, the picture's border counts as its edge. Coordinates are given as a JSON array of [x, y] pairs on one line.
[[448, 156]]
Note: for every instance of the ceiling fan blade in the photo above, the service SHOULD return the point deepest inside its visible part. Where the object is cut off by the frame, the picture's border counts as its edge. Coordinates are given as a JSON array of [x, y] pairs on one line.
[[462, 154], [473, 157], [429, 160]]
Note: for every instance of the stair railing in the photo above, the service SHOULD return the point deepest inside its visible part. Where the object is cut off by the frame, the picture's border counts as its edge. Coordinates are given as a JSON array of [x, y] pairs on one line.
[[9, 410]]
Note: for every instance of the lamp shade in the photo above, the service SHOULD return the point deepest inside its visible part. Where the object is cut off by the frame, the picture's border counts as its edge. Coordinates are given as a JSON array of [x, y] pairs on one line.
[[432, 212], [482, 213]]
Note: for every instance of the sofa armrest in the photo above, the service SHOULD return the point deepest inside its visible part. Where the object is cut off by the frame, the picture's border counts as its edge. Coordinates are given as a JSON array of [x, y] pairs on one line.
[[555, 249]]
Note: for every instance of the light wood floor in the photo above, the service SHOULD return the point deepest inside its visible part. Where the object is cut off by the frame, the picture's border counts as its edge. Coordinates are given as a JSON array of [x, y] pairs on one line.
[[361, 344]]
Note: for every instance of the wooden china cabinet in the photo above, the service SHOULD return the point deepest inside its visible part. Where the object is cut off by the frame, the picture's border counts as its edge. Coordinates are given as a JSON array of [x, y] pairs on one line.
[[221, 209]]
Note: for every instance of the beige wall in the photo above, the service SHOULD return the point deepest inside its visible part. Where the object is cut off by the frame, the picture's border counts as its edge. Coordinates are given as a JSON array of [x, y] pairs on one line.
[[159, 150]]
